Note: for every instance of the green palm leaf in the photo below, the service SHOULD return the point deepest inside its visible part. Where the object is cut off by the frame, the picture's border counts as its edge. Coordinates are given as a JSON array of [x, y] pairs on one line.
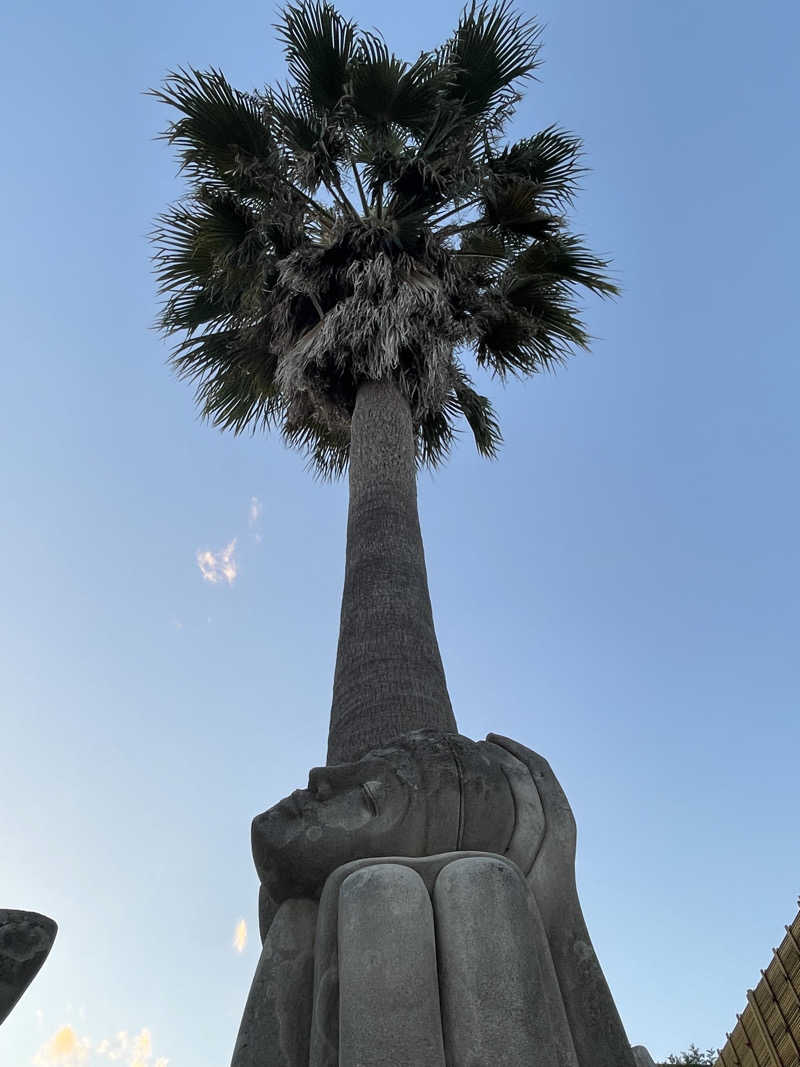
[[222, 133], [549, 160], [491, 49], [387, 92], [431, 235], [319, 46]]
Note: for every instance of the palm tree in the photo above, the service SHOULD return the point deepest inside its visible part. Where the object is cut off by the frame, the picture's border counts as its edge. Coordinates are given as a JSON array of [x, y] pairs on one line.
[[346, 240]]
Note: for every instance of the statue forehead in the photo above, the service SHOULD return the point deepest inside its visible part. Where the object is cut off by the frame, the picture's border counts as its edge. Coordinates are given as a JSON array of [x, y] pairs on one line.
[[419, 758], [419, 750]]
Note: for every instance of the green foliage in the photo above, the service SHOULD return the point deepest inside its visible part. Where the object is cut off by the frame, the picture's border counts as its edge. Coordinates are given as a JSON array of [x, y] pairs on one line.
[[694, 1055], [365, 221]]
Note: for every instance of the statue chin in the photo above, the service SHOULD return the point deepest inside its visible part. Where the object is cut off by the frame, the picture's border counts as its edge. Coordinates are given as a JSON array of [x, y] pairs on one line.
[[423, 899]]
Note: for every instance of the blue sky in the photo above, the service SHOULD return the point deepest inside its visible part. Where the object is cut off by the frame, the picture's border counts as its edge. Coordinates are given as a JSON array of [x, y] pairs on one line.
[[619, 591]]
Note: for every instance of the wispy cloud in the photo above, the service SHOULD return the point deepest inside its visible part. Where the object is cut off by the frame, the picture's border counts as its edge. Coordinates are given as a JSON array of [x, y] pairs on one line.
[[66, 1049], [240, 936], [254, 515], [218, 566]]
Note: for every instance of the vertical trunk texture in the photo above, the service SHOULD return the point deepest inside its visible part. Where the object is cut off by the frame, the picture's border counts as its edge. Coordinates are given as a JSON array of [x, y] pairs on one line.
[[389, 677]]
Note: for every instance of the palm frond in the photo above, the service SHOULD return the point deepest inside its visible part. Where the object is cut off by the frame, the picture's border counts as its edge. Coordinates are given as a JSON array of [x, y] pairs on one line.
[[549, 160], [561, 257], [327, 448], [319, 46], [387, 92], [484, 254], [435, 438], [313, 145], [510, 340], [491, 49], [513, 206], [196, 241], [285, 297], [235, 399], [221, 132], [478, 412]]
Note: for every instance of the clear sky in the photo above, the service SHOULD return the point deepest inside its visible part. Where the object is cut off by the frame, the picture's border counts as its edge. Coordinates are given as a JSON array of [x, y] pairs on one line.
[[619, 591]]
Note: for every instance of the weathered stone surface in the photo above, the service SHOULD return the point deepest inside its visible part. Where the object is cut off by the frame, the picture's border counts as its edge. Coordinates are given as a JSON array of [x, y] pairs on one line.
[[642, 1057], [276, 1023], [325, 1023], [595, 1025], [414, 804], [426, 794], [25, 941], [388, 991], [496, 1004]]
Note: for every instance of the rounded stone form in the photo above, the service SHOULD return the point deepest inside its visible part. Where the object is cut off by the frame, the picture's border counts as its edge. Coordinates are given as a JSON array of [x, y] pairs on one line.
[[388, 990], [495, 1004], [642, 1056], [26, 938]]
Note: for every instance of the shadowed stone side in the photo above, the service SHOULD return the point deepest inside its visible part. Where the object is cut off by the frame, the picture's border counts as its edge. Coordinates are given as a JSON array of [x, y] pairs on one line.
[[388, 992], [277, 1018], [641, 1056], [595, 1025], [25, 941]]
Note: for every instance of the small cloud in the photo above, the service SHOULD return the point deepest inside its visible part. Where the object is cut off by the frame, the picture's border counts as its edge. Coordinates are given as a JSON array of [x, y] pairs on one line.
[[39, 1016], [64, 1049], [240, 936], [254, 515], [218, 566], [136, 1051], [142, 1049]]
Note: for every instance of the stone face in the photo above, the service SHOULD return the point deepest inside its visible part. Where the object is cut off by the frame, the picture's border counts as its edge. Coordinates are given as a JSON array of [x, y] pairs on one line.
[[388, 989], [426, 794], [475, 839], [25, 941]]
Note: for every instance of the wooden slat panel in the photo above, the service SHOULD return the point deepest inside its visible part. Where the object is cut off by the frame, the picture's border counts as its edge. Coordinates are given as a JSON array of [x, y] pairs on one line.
[[767, 1032]]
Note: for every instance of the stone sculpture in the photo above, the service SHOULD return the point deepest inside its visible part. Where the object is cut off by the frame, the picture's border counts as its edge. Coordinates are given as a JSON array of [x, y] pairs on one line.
[[25, 941], [642, 1056], [419, 907]]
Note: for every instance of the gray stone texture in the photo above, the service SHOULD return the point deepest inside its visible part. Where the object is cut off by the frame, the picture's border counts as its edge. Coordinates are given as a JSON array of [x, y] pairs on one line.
[[595, 1025], [427, 802], [388, 990], [276, 1023], [325, 1024], [25, 941], [495, 1003], [642, 1057]]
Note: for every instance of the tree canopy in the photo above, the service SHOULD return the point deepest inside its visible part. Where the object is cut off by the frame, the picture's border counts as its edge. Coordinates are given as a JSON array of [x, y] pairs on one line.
[[693, 1055], [366, 220]]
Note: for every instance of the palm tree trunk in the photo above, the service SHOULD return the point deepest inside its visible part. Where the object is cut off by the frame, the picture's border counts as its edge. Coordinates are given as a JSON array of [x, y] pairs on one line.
[[389, 677]]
